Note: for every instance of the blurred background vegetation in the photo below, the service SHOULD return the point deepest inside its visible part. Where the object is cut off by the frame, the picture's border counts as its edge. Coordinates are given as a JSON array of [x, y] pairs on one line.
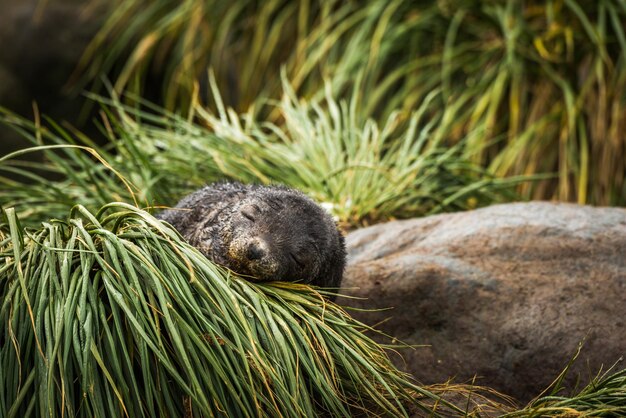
[[537, 84], [382, 109]]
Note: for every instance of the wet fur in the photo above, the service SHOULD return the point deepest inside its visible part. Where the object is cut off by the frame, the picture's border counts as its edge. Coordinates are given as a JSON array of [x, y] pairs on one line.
[[266, 232]]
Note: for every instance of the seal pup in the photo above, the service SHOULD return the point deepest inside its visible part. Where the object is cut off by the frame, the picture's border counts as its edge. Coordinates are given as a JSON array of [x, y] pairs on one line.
[[266, 232]]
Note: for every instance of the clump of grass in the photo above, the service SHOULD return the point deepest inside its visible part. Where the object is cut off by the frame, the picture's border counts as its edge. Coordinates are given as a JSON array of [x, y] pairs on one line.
[[545, 78], [364, 172], [604, 396], [112, 314], [167, 46], [60, 166]]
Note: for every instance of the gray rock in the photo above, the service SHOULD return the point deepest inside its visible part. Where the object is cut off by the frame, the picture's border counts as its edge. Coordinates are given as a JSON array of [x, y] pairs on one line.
[[504, 294]]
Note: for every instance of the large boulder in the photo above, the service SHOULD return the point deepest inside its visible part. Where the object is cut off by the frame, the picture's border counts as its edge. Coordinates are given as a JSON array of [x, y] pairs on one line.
[[505, 294]]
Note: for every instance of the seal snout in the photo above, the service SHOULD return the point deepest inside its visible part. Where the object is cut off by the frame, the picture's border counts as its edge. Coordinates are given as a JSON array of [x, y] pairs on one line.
[[256, 250], [254, 256]]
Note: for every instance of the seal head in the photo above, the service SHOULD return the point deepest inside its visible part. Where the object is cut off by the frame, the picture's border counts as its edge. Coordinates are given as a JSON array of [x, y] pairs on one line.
[[264, 232]]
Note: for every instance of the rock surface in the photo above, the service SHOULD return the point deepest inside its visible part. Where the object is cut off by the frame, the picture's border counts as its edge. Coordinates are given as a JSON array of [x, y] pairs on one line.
[[504, 294]]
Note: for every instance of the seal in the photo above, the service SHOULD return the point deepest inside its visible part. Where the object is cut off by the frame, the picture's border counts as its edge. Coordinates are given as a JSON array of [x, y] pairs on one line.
[[266, 232]]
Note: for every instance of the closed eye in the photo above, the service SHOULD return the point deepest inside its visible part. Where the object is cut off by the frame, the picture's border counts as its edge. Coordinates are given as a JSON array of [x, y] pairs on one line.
[[250, 212], [248, 215]]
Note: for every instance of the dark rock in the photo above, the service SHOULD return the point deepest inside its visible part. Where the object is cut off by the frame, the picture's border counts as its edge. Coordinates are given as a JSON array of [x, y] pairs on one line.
[[504, 294], [41, 45]]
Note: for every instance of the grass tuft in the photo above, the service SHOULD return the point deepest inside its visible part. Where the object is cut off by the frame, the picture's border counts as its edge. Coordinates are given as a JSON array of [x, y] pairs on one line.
[[112, 314], [541, 82], [604, 396], [362, 171]]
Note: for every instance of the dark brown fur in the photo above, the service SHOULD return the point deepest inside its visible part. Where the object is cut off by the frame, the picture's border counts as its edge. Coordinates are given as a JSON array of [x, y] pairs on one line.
[[267, 232]]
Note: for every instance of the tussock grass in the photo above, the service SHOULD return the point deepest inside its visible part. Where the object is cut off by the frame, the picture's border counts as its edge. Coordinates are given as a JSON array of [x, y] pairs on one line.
[[109, 313], [69, 167], [604, 396], [383, 110], [541, 82], [112, 314], [362, 171]]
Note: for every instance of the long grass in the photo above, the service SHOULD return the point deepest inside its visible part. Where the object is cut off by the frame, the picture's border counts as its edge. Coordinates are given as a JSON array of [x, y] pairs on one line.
[[543, 78], [112, 314], [604, 396], [362, 171], [383, 110], [134, 294], [53, 171]]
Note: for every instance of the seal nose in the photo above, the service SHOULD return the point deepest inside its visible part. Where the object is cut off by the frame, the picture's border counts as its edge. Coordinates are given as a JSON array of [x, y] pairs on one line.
[[255, 251]]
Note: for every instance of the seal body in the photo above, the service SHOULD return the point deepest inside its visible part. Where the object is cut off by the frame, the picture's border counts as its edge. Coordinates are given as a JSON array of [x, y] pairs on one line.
[[266, 232]]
